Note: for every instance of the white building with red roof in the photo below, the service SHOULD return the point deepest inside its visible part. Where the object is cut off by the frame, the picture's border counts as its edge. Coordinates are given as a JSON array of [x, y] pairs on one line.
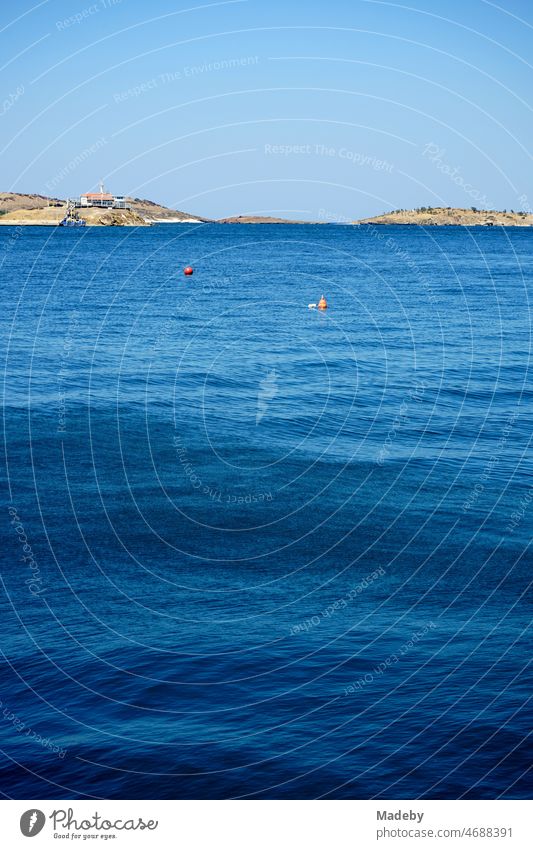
[[103, 199]]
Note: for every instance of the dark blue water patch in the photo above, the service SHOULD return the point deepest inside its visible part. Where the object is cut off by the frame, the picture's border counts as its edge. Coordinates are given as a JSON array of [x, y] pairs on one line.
[[271, 553]]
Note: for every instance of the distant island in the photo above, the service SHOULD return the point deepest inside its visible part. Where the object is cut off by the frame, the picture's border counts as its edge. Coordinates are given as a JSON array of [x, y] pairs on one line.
[[442, 216], [261, 219], [100, 209]]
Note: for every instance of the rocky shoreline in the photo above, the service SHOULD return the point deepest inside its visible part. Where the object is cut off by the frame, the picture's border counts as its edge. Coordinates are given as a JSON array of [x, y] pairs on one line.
[[51, 217]]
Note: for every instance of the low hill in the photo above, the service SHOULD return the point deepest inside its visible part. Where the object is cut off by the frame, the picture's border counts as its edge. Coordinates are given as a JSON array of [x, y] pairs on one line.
[[154, 212], [455, 216], [20, 209], [257, 219], [12, 201]]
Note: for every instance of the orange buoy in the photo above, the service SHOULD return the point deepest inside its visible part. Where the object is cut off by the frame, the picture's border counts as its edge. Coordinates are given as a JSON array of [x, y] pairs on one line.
[[188, 271], [322, 304]]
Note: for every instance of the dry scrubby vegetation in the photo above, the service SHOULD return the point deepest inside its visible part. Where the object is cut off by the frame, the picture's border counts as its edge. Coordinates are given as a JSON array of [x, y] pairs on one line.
[[449, 215], [432, 210], [19, 209]]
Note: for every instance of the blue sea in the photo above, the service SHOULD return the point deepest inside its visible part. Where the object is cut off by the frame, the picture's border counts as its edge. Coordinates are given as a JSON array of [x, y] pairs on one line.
[[255, 550]]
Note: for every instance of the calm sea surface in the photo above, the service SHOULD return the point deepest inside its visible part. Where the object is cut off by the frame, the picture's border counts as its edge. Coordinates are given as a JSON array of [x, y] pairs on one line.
[[254, 550]]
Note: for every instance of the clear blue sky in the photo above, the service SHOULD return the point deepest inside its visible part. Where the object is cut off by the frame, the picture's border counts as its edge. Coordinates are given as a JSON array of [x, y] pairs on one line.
[[312, 109]]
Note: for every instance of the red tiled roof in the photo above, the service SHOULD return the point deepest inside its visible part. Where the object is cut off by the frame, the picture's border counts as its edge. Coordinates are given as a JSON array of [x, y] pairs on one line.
[[99, 195]]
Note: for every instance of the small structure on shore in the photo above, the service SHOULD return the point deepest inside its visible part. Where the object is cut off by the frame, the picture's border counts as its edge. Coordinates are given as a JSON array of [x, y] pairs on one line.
[[102, 199]]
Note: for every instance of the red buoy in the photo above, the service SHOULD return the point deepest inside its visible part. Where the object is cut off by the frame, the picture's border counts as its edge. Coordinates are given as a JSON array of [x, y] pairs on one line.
[[188, 271]]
